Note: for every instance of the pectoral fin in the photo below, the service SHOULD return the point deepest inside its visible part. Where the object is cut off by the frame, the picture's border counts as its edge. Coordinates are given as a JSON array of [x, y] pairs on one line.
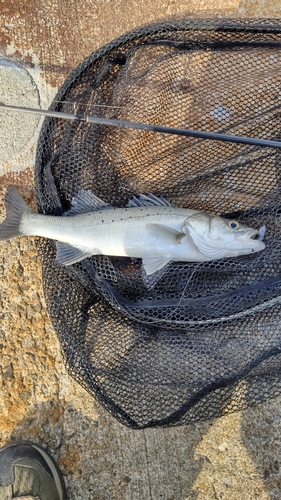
[[67, 254], [153, 264], [164, 234]]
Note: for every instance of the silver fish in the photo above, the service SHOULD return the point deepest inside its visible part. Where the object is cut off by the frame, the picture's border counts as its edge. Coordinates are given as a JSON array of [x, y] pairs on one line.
[[148, 228]]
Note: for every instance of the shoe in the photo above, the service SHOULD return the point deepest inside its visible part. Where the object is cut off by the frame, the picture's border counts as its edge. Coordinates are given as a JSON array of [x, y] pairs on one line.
[[28, 472]]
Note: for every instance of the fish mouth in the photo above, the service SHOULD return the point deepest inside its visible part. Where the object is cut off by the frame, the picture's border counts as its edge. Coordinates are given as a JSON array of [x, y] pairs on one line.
[[252, 233], [249, 234], [252, 239]]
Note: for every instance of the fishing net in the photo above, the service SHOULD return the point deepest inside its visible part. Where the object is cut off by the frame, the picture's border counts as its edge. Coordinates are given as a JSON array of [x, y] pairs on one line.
[[198, 340]]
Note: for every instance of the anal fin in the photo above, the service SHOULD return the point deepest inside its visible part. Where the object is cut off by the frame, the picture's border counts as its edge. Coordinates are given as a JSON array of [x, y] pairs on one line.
[[67, 254]]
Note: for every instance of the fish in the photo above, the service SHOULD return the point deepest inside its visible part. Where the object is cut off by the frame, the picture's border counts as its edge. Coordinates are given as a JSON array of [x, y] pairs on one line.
[[149, 228]]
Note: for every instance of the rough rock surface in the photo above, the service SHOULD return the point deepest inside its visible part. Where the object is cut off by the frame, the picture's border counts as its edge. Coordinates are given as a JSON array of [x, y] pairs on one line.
[[237, 456]]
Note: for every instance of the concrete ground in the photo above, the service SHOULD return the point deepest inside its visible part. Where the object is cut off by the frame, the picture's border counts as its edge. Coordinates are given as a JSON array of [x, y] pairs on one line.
[[237, 456]]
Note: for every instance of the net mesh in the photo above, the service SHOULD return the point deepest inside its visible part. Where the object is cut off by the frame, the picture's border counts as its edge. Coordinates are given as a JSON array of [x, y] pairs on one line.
[[199, 340]]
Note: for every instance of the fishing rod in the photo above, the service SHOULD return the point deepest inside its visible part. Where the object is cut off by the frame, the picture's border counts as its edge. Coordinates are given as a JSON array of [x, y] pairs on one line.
[[145, 126]]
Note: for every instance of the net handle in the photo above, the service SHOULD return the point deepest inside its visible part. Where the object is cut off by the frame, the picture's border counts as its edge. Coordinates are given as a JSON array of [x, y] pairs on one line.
[[145, 126]]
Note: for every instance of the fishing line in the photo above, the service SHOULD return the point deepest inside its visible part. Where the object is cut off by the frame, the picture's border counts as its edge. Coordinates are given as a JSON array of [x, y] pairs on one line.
[[182, 297], [146, 127]]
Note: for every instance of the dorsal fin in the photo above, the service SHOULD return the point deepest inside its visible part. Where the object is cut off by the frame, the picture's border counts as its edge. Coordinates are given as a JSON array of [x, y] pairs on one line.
[[84, 202], [148, 200]]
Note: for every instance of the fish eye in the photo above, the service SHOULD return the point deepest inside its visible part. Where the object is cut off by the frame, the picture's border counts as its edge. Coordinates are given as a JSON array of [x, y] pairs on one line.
[[233, 224]]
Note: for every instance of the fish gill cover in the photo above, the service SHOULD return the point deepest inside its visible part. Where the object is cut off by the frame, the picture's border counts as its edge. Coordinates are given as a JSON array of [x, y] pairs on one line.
[[198, 340]]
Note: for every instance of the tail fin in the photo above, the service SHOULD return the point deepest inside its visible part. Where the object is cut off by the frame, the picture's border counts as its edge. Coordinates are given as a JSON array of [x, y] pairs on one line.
[[15, 208]]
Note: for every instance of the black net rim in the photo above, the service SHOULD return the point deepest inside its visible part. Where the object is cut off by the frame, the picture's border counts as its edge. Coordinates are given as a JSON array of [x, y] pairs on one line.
[[176, 25]]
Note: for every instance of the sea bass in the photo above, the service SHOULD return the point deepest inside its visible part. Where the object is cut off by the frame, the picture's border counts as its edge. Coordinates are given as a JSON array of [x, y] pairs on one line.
[[148, 228]]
